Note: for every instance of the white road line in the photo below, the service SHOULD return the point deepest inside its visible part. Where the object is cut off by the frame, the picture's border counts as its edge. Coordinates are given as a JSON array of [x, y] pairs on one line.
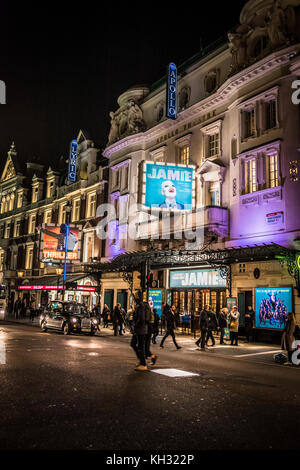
[[259, 354], [174, 373]]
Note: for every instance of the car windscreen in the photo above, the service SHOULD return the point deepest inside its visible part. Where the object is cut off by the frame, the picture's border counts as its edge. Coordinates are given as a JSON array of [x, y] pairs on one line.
[[75, 309]]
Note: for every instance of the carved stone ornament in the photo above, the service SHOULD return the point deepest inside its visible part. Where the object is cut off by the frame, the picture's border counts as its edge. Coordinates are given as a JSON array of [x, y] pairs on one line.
[[126, 121]]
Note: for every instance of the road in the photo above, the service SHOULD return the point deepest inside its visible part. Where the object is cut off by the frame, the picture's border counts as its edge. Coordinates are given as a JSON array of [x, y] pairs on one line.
[[79, 392]]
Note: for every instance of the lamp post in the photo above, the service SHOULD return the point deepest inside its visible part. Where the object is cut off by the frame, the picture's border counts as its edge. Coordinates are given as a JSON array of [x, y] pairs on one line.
[[59, 272]]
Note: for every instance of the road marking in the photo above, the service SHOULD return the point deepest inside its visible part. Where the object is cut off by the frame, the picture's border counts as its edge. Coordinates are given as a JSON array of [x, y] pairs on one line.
[[174, 373], [260, 353]]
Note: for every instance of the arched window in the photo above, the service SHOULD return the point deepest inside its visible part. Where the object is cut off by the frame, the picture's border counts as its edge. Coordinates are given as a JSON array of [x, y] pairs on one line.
[[11, 202]]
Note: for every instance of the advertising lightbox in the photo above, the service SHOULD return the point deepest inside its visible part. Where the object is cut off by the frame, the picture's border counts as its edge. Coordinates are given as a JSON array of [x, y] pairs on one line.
[[272, 306], [53, 243], [155, 300], [169, 186]]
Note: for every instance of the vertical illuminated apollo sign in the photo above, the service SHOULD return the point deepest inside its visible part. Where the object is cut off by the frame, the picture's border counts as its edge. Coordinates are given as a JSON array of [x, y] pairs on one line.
[[172, 92], [72, 161]]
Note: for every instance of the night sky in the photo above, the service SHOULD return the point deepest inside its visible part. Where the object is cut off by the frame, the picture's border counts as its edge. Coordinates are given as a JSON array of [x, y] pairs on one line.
[[64, 70]]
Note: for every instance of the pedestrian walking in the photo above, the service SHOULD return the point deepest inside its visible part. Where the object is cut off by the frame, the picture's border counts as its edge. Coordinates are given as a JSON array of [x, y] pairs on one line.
[[288, 337], [105, 315], [234, 318], [212, 326], [171, 326], [139, 333], [117, 320], [129, 318], [96, 313], [203, 327], [223, 323], [155, 326], [149, 318], [123, 319], [176, 315], [249, 321]]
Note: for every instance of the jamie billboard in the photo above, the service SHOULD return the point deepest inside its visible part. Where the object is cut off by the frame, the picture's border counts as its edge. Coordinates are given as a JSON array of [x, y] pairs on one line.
[[197, 278], [169, 186], [53, 243], [272, 306]]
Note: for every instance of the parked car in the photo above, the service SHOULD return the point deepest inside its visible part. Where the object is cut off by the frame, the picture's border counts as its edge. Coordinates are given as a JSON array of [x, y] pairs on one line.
[[69, 317]]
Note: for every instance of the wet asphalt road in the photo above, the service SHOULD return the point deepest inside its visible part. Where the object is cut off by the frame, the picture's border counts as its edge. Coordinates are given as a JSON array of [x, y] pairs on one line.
[[78, 392]]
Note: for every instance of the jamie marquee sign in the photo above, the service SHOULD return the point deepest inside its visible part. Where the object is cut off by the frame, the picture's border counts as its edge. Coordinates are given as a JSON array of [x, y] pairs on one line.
[[168, 187], [73, 161], [172, 92], [200, 278]]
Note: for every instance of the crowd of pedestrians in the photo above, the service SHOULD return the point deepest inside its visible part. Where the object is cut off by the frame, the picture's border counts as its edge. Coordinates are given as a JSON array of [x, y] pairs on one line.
[[143, 322]]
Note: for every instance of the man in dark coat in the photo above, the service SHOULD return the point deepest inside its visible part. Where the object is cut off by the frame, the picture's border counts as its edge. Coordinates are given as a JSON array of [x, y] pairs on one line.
[[203, 327], [117, 320], [249, 320], [171, 326], [212, 326], [139, 333]]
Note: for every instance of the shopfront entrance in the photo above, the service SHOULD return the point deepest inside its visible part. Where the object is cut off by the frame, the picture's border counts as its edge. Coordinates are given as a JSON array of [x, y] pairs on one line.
[[192, 301]]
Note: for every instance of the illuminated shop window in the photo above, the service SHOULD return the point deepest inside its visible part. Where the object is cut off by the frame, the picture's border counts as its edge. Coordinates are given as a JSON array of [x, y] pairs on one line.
[[250, 176], [185, 155], [273, 180]]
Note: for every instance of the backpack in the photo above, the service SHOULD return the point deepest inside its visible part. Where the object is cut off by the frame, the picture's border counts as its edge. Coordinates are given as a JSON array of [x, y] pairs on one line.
[[149, 316], [280, 358]]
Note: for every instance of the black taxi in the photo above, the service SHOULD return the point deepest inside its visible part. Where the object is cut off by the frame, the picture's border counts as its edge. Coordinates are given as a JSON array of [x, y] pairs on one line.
[[68, 317]]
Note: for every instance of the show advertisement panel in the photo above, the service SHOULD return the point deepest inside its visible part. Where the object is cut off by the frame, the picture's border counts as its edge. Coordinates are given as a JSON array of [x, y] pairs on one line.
[[272, 306], [196, 278], [155, 300], [53, 243], [169, 187]]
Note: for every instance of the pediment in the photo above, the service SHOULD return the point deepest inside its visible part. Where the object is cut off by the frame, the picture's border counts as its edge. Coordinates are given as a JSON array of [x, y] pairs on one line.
[[9, 171], [211, 171]]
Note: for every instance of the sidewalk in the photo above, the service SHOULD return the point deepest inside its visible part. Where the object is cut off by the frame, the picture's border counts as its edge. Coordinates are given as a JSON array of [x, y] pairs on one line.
[[181, 336]]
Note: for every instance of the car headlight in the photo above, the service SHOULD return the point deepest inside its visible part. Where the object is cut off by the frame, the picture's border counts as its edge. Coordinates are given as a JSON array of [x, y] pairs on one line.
[[95, 322], [74, 320]]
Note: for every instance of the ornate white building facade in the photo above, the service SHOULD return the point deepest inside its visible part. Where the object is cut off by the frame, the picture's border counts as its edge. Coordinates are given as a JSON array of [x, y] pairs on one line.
[[239, 129]]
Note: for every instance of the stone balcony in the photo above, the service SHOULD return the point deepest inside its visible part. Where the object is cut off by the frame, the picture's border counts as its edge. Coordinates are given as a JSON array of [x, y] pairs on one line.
[[210, 219]]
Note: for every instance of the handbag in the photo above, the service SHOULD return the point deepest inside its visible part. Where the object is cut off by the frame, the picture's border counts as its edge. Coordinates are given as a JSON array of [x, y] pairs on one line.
[[226, 334], [233, 325]]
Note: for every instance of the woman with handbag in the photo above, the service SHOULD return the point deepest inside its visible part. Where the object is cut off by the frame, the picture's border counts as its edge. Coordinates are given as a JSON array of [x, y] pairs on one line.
[[234, 318], [288, 337]]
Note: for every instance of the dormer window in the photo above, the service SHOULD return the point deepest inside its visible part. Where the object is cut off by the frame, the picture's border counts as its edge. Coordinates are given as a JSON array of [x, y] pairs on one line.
[[35, 193], [19, 199], [50, 189]]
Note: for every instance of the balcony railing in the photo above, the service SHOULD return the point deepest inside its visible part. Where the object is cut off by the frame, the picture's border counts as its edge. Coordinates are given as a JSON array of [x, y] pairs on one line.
[[211, 219]]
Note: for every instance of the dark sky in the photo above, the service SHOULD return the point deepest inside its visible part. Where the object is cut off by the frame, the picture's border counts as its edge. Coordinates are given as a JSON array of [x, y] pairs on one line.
[[65, 68]]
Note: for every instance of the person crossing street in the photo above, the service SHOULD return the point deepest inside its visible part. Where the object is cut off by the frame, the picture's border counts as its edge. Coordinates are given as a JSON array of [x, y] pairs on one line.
[[171, 326]]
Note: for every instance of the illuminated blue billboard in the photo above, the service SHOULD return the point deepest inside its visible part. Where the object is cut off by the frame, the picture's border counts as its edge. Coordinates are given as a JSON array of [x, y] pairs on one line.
[[172, 92], [155, 300], [169, 186], [72, 161], [272, 306]]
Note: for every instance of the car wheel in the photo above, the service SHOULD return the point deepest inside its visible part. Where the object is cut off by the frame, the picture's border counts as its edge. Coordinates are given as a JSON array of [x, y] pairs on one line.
[[44, 326], [93, 332], [67, 329]]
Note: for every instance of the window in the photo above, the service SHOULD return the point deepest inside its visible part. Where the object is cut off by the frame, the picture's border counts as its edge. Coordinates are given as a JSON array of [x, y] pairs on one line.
[[76, 210], [35, 191], [88, 247], [2, 205], [1, 260], [62, 214], [214, 194], [11, 202], [17, 228], [14, 260], [213, 145], [7, 230], [31, 225], [91, 205], [125, 174], [273, 180], [184, 155], [47, 217], [242, 268], [250, 124], [19, 200], [115, 179], [250, 176], [260, 46], [271, 114], [29, 258], [50, 188]]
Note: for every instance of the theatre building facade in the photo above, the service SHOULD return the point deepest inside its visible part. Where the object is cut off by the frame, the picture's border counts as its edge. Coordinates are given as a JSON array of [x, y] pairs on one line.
[[34, 204], [208, 203]]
